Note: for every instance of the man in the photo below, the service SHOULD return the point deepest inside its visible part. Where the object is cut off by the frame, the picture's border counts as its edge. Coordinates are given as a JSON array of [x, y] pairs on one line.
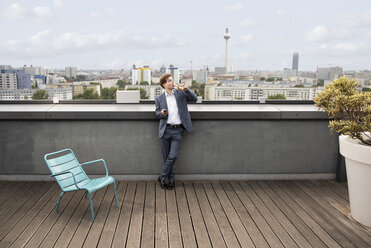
[[172, 110]]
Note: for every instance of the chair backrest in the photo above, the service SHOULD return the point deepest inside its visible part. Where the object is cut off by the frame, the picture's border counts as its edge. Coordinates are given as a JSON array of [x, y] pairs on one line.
[[63, 161]]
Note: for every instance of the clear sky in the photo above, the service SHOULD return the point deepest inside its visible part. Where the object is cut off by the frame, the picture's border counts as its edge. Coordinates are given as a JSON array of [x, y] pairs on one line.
[[107, 34]]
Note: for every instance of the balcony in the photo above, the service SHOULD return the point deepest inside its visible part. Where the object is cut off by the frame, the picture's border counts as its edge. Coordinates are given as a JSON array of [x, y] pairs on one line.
[[250, 175]]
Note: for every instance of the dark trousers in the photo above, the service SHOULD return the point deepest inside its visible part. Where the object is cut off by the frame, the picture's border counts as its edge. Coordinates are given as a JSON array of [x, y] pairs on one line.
[[170, 145]]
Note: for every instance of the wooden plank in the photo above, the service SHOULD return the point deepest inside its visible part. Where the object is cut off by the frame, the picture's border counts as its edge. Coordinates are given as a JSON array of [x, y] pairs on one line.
[[202, 237], [335, 189], [96, 229], [69, 230], [342, 223], [27, 233], [161, 237], [268, 216], [68, 201], [243, 237], [210, 221], [331, 197], [17, 199], [113, 216], [2, 184], [122, 228], [298, 238], [135, 229], [86, 222], [148, 232], [19, 221], [245, 217], [25, 207], [310, 207], [258, 218], [186, 227], [63, 219], [175, 239], [329, 192], [24, 198], [278, 188], [292, 216], [9, 189], [223, 223]]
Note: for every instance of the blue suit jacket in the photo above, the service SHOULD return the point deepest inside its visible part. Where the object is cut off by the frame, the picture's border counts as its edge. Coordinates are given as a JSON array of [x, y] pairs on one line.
[[182, 97]]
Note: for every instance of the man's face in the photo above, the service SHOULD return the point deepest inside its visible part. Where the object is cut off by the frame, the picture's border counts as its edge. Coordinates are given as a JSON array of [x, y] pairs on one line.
[[169, 84]]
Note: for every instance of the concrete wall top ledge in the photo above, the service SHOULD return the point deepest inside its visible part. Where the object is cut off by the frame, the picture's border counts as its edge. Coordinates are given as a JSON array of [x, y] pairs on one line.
[[146, 111]]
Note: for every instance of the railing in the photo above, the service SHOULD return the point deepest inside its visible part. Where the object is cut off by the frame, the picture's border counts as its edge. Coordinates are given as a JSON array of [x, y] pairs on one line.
[[229, 140]]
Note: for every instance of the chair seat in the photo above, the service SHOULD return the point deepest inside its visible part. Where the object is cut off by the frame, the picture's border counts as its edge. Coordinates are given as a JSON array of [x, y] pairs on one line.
[[92, 185]]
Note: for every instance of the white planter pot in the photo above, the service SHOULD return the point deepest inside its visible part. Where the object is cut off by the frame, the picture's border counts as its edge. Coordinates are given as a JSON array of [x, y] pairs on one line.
[[358, 166]]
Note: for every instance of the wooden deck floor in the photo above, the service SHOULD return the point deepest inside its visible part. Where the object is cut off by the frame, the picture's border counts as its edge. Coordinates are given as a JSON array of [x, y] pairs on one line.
[[195, 214]]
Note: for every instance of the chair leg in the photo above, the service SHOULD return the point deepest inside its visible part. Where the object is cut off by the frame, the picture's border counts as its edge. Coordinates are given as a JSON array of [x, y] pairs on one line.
[[114, 187], [59, 200], [91, 207]]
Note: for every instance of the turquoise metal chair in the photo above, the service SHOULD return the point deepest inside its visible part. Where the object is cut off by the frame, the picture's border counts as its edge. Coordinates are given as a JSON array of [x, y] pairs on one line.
[[70, 176]]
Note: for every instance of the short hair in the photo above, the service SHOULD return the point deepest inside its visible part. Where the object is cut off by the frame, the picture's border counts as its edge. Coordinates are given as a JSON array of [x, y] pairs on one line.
[[163, 79]]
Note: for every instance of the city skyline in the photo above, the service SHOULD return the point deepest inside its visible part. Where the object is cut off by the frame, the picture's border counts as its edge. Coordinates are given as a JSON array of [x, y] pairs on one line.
[[114, 35]]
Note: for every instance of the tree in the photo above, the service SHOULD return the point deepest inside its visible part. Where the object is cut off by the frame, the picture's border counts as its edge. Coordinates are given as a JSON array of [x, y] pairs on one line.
[[35, 86], [143, 92], [262, 79], [198, 88], [270, 79], [90, 94], [299, 86], [81, 78], [121, 83], [320, 82], [277, 96], [25, 97], [144, 83], [40, 94], [366, 89], [95, 83], [108, 93]]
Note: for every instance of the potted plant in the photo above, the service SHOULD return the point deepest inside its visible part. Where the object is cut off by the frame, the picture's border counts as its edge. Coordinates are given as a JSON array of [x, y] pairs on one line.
[[350, 115]]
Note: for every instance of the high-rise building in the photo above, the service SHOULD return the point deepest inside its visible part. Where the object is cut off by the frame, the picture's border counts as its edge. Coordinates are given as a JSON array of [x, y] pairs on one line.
[[200, 76], [71, 72], [141, 74], [23, 79], [330, 73], [162, 70], [289, 73], [295, 61], [174, 71], [8, 81], [5, 67]]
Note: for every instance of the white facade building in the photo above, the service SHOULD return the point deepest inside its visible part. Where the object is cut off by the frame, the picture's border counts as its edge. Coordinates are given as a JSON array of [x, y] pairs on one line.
[[140, 75], [26, 94], [174, 71], [71, 72], [8, 81], [255, 93], [152, 90]]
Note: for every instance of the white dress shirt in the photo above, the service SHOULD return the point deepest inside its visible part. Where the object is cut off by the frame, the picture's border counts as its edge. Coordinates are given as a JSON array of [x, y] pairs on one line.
[[173, 113]]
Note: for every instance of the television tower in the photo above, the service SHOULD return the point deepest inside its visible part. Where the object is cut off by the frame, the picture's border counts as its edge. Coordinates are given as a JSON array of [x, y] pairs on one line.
[[226, 37]]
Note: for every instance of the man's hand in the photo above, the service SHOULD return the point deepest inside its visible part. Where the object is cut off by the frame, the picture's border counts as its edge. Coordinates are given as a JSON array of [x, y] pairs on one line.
[[164, 112], [182, 87]]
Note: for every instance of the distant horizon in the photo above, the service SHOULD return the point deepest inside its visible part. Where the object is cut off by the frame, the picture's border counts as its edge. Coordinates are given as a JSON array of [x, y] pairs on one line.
[[115, 35]]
